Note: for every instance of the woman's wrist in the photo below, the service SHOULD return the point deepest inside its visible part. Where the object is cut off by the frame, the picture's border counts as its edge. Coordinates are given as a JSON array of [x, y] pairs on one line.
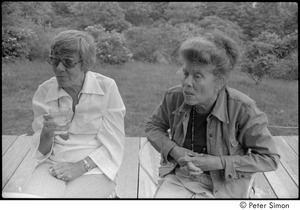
[[87, 164], [174, 153], [82, 166], [46, 142]]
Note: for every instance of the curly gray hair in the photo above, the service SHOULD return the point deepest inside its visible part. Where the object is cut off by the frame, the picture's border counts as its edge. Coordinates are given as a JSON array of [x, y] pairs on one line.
[[211, 48]]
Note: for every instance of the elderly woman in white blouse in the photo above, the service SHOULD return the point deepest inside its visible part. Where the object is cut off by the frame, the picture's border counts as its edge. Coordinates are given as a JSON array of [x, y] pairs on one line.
[[86, 162]]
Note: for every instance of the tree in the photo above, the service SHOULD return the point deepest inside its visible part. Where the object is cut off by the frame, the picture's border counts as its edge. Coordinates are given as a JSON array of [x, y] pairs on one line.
[[258, 60], [247, 19], [229, 28], [22, 13], [183, 12], [290, 15], [38, 12], [11, 13], [108, 14], [137, 13], [268, 18], [270, 55], [62, 15], [230, 10], [158, 10], [61, 8]]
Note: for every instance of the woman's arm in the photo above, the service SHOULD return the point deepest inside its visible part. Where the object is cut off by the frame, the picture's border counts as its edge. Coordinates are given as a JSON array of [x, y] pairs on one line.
[[111, 134], [42, 141], [253, 134], [157, 131]]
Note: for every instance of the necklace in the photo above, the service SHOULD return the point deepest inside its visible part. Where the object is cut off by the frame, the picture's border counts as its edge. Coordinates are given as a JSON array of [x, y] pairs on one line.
[[203, 149], [193, 120]]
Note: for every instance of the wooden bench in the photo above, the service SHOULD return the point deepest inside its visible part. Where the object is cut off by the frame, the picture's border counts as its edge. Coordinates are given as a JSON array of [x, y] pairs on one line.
[[138, 175]]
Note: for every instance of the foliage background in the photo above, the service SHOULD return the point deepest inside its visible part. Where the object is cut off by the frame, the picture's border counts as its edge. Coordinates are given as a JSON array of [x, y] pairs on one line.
[[140, 40], [267, 32]]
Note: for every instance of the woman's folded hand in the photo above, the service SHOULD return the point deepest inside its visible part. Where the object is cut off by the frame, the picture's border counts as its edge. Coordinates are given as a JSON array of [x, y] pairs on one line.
[[67, 171], [178, 152], [203, 161]]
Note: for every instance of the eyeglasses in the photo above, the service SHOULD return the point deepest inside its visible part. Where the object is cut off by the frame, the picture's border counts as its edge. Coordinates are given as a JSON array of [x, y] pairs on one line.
[[67, 62]]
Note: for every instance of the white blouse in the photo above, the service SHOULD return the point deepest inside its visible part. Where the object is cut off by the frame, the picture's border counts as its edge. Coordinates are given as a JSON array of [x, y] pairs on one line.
[[97, 127]]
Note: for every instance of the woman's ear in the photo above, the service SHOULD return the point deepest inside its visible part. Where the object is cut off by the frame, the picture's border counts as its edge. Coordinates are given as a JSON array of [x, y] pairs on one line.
[[221, 81]]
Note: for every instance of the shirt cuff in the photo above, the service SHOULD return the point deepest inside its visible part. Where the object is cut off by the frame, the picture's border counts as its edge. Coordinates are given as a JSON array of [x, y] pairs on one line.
[[228, 165], [167, 147], [37, 155], [105, 165]]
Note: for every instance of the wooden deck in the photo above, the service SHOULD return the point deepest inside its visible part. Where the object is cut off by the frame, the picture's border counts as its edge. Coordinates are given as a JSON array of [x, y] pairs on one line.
[[139, 171]]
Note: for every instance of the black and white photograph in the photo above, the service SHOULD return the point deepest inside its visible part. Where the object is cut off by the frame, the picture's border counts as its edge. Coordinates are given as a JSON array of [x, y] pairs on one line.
[[151, 101]]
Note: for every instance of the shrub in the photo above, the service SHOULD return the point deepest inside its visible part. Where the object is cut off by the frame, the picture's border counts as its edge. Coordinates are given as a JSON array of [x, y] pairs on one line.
[[164, 38], [286, 68], [272, 55], [17, 43], [258, 60], [280, 47], [228, 27], [139, 40], [96, 31], [111, 47], [160, 39], [41, 48]]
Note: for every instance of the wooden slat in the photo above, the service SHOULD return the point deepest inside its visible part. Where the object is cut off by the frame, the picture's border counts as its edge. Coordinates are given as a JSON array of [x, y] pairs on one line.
[[17, 166], [7, 141], [293, 141], [19, 179], [127, 183], [149, 164], [262, 187], [282, 183], [288, 158], [13, 157]]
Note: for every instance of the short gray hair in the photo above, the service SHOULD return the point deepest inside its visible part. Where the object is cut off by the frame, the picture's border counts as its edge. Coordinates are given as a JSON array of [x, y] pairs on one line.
[[76, 41], [211, 48]]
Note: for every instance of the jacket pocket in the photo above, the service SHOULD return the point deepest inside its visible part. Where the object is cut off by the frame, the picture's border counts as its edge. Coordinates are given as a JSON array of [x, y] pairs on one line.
[[235, 146], [233, 142], [240, 187]]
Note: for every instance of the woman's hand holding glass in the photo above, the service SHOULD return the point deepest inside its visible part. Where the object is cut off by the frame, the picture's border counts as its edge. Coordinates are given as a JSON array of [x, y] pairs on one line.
[[57, 122], [49, 126]]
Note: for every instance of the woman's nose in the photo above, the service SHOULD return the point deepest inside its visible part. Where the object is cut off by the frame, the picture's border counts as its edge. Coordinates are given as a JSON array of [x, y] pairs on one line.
[[60, 67], [188, 81]]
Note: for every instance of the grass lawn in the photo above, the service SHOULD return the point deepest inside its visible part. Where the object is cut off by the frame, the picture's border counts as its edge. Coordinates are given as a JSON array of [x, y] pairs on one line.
[[141, 86]]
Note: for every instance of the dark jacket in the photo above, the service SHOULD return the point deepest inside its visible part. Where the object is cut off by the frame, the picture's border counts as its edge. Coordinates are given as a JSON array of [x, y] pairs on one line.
[[236, 131]]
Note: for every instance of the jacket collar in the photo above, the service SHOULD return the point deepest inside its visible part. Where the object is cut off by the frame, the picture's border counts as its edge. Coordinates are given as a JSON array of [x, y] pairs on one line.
[[183, 108], [220, 110], [90, 86]]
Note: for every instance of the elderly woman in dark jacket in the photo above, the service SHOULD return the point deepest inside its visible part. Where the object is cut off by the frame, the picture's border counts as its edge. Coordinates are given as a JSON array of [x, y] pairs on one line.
[[218, 137]]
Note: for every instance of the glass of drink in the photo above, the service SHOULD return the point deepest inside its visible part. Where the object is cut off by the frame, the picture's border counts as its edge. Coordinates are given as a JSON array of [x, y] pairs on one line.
[[62, 117]]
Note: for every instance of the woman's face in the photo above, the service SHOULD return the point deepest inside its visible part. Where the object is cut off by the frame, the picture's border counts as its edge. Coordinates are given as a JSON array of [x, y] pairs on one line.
[[200, 86], [68, 75]]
